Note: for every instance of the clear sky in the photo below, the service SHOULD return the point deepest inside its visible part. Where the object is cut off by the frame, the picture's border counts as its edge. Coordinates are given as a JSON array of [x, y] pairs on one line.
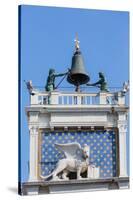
[[47, 40]]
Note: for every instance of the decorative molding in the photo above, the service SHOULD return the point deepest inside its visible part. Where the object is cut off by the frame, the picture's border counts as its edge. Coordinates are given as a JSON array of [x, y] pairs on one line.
[[75, 108], [76, 124]]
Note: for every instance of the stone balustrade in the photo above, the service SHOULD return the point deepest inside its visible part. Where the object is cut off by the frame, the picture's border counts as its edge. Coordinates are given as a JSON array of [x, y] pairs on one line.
[[77, 98]]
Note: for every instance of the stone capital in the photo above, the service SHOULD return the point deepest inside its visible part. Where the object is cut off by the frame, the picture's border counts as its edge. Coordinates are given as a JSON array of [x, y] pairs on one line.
[[122, 126], [33, 130]]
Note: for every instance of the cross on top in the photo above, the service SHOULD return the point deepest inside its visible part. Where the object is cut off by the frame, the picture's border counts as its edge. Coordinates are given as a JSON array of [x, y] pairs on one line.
[[76, 42]]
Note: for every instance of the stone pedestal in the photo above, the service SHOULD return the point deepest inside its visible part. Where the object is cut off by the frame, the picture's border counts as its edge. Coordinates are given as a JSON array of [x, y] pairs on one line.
[[103, 97]]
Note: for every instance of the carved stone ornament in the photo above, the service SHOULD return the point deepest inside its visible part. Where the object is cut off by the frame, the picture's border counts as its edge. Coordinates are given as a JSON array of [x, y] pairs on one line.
[[76, 160], [33, 130], [122, 127]]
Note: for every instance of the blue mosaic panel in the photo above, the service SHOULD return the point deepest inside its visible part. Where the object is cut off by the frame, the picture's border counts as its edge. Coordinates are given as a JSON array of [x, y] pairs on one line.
[[102, 150]]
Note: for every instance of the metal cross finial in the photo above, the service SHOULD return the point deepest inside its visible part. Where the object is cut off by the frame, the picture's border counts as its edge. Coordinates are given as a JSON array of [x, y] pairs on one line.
[[76, 42]]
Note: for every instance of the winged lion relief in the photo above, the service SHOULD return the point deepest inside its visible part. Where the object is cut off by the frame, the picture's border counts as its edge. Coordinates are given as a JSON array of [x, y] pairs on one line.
[[77, 159]]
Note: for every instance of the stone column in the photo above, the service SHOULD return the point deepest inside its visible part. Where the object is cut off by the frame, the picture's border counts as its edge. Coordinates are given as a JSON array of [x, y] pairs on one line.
[[122, 126], [33, 161]]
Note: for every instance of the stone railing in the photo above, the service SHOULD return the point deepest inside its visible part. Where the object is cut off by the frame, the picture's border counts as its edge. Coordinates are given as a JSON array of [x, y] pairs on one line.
[[77, 98]]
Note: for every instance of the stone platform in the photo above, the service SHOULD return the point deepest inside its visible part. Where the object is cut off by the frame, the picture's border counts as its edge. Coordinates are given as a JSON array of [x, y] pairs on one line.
[[63, 186]]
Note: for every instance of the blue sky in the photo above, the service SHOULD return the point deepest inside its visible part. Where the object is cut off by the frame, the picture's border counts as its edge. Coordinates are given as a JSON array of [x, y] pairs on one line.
[[47, 40]]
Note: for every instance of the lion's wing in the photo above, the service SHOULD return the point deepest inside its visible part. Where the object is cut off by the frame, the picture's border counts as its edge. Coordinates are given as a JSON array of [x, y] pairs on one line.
[[71, 150]]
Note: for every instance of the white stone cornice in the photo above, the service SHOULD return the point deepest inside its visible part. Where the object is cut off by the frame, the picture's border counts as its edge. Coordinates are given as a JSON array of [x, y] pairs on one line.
[[75, 108]]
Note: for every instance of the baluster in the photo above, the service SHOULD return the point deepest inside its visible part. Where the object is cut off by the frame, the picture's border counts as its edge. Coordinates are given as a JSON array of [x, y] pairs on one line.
[[78, 100], [82, 99], [67, 100], [94, 100], [42, 99], [72, 100], [75, 100], [47, 100], [62, 97], [90, 99], [85, 100], [59, 99], [63, 100]]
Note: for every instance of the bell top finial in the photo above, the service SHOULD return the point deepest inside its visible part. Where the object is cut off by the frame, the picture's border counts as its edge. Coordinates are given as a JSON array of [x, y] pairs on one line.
[[76, 42]]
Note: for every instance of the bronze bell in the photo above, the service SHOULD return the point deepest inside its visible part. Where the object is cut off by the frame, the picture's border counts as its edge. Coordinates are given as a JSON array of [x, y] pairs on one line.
[[77, 75]]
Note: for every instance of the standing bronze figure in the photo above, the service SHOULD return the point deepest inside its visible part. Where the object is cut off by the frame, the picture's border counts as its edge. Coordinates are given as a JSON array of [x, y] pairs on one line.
[[50, 84], [102, 84]]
